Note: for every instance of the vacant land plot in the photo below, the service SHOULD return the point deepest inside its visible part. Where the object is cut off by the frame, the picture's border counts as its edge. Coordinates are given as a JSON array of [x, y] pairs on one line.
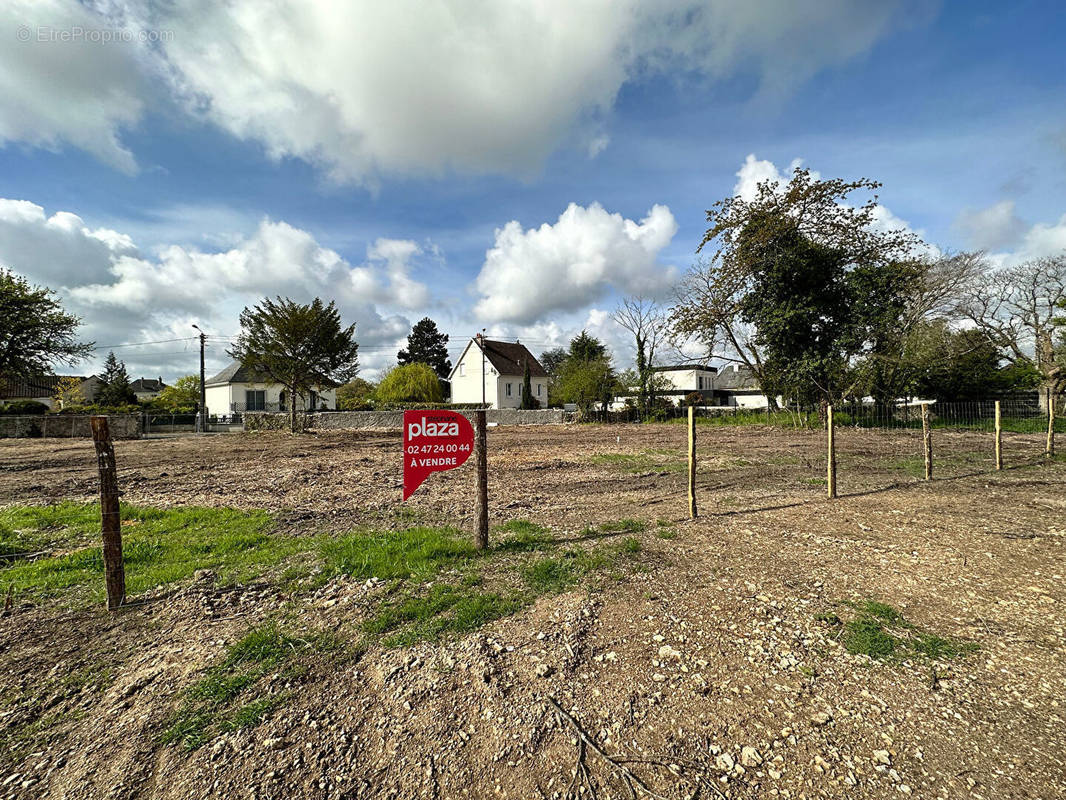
[[298, 632]]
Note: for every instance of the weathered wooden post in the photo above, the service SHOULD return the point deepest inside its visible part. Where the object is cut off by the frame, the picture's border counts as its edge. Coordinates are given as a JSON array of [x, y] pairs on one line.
[[111, 521], [927, 437], [1049, 447], [831, 462], [481, 517], [692, 462], [999, 437]]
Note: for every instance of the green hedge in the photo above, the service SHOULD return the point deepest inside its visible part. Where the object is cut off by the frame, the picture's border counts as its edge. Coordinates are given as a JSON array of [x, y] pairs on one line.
[[23, 407]]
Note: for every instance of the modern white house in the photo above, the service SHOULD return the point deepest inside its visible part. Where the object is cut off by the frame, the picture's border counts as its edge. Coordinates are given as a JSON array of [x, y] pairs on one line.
[[235, 390], [493, 372], [730, 386]]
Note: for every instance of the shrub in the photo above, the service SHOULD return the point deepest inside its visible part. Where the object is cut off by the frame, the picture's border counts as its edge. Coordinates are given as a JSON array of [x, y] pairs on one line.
[[24, 407]]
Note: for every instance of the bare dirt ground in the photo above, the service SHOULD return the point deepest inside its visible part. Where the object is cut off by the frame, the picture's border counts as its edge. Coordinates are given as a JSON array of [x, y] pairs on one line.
[[718, 671]]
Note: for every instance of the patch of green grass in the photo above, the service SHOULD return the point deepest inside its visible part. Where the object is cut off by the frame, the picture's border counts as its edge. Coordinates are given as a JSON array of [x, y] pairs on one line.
[[646, 461], [879, 631], [914, 466], [883, 611], [868, 637], [445, 609], [412, 553], [631, 545], [666, 533], [551, 575], [160, 546], [219, 701], [623, 526], [938, 648], [521, 535]]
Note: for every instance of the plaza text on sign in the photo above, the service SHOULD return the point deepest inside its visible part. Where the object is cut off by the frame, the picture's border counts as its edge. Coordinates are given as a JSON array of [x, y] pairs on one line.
[[433, 441]]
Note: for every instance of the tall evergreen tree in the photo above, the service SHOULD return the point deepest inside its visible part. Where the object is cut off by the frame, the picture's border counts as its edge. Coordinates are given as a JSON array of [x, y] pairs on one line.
[[427, 345], [116, 389], [528, 400], [585, 347]]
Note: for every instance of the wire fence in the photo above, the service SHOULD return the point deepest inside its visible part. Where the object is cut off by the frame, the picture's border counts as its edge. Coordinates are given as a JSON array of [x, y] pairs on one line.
[[750, 458]]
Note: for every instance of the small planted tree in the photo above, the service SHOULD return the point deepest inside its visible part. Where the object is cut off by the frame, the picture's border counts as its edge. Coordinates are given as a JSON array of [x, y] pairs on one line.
[[301, 347], [68, 394]]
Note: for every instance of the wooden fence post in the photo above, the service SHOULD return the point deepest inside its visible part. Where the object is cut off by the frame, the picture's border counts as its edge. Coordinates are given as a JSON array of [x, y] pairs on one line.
[[999, 437], [111, 521], [927, 438], [692, 462], [481, 515], [1049, 447], [831, 462]]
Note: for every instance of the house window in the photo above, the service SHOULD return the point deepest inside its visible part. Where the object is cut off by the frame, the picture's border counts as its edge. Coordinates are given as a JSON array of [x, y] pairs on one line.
[[312, 401], [255, 400], [281, 400], [508, 390], [462, 370], [539, 387]]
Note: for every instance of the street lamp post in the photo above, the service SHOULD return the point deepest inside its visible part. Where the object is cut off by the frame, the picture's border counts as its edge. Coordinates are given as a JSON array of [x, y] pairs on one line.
[[202, 426]]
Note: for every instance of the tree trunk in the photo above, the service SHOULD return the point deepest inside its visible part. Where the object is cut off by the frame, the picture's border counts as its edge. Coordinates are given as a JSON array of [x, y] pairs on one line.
[[292, 409]]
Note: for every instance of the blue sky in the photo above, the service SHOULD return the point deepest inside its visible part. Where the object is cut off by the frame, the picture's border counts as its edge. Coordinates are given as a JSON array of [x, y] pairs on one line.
[[421, 160]]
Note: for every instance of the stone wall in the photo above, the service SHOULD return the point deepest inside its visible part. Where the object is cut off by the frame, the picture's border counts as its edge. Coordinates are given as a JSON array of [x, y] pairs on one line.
[[67, 426], [393, 420]]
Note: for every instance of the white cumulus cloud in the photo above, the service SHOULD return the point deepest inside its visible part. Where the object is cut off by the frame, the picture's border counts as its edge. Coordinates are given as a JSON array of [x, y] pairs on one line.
[[124, 294], [364, 89], [566, 265], [991, 228], [73, 90]]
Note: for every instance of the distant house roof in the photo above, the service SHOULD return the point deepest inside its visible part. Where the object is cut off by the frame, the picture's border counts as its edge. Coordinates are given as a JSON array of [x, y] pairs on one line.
[[238, 373], [736, 378], [511, 358], [148, 385], [686, 367], [37, 386]]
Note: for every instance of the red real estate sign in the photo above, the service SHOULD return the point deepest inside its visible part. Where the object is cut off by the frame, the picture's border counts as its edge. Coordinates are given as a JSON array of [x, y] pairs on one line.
[[433, 441]]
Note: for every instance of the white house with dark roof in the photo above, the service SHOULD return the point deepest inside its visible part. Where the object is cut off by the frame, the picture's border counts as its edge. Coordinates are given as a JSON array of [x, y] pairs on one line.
[[493, 371], [729, 386], [147, 388], [236, 389]]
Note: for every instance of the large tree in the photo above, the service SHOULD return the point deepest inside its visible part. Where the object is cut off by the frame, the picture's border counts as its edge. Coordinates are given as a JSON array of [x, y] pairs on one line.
[[301, 347], [115, 390], [427, 345], [552, 361], [801, 285], [35, 331], [586, 376], [1016, 308], [948, 364], [646, 321]]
